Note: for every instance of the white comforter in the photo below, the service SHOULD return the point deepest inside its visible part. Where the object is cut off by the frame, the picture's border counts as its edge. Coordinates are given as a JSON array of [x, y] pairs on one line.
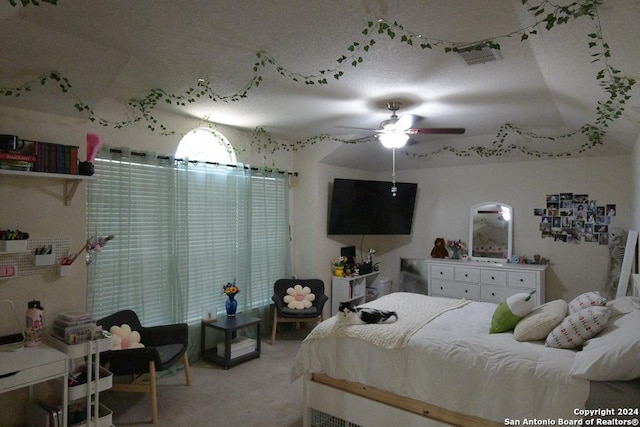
[[453, 362]]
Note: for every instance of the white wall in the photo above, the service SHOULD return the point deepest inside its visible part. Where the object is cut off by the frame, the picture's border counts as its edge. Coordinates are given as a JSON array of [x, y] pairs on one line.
[[445, 196], [634, 179]]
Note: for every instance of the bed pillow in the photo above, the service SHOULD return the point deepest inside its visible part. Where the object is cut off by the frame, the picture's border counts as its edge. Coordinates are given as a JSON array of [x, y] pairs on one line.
[[623, 305], [537, 324], [578, 327], [613, 355], [511, 311], [588, 299]]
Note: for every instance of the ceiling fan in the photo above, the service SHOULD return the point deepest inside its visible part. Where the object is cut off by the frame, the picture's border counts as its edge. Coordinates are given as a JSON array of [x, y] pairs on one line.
[[395, 131]]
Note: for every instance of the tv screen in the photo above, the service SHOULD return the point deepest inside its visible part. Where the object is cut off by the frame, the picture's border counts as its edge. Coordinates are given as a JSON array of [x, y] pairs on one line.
[[368, 207]]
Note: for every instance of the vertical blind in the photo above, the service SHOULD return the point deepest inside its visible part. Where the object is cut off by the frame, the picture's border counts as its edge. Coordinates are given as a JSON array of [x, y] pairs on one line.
[[182, 231]]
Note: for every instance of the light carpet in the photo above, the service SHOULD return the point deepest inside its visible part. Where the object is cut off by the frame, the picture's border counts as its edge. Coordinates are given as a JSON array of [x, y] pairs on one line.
[[256, 393]]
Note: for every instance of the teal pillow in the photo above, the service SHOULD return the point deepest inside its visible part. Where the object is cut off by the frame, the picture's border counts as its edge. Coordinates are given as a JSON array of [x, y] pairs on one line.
[[511, 311]]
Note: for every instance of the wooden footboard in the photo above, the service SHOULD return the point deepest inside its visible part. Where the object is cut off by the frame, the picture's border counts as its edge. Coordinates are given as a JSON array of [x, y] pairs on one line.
[[404, 403]]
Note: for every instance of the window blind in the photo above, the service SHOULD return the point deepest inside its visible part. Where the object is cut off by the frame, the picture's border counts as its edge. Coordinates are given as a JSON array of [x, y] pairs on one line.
[[182, 232]]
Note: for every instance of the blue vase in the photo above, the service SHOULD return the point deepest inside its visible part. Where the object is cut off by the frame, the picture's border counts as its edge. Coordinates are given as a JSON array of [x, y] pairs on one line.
[[231, 305]]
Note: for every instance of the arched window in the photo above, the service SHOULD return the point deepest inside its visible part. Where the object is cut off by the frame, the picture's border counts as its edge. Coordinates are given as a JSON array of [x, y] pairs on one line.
[[207, 145]]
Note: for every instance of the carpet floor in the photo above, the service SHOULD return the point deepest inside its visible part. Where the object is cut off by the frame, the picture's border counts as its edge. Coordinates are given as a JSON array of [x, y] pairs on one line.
[[257, 393]]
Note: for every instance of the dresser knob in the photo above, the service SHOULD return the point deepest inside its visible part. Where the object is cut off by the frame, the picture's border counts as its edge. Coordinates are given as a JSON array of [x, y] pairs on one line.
[[493, 294], [521, 280], [441, 288], [441, 273], [466, 291], [466, 275], [493, 278]]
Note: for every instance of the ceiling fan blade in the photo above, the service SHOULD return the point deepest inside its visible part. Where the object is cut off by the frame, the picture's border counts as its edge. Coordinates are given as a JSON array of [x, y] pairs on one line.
[[405, 122], [355, 128], [436, 131], [362, 139]]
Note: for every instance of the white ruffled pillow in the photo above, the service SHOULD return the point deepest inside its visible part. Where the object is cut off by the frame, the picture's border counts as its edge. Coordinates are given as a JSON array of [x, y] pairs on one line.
[[299, 298], [537, 324], [124, 338], [613, 355], [578, 327]]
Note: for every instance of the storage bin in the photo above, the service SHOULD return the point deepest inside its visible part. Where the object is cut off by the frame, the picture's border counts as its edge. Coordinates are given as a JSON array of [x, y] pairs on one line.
[[13, 245], [40, 260]]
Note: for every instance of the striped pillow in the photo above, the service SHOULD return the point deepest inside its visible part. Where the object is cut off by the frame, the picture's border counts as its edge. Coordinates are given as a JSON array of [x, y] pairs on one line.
[[578, 327]]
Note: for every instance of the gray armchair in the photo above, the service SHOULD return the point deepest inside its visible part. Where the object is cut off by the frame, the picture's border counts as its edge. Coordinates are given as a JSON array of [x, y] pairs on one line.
[[163, 346], [284, 314]]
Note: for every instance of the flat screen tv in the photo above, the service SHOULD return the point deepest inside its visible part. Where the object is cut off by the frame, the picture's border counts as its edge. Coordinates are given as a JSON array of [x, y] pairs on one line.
[[368, 207]]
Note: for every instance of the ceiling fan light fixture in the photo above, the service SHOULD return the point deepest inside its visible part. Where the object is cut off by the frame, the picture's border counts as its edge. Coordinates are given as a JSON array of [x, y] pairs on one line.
[[393, 140]]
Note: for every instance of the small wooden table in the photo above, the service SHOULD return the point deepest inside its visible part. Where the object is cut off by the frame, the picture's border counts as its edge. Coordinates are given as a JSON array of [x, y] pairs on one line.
[[230, 327]]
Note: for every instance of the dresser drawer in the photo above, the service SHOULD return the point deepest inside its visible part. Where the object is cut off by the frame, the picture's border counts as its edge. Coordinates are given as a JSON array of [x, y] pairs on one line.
[[464, 274], [522, 279], [497, 294], [443, 272], [493, 277], [455, 290]]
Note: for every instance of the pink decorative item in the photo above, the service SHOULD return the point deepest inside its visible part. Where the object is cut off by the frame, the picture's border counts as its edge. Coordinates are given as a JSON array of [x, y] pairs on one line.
[[93, 145]]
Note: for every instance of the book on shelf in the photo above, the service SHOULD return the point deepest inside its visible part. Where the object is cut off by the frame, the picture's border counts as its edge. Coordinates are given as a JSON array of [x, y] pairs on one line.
[[239, 347], [18, 156], [16, 165], [56, 158]]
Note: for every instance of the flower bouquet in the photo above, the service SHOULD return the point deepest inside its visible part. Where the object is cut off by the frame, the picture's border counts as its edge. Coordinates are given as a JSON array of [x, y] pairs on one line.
[[456, 247], [338, 266], [231, 304]]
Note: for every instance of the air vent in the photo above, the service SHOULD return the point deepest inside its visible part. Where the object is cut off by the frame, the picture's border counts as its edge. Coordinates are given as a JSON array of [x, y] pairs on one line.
[[473, 56]]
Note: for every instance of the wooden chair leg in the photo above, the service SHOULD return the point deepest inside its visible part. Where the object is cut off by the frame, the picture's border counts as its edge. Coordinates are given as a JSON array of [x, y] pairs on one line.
[[154, 393], [187, 371], [275, 326]]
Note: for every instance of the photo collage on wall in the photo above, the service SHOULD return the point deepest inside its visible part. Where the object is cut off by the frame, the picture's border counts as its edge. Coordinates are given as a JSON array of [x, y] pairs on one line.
[[574, 218]]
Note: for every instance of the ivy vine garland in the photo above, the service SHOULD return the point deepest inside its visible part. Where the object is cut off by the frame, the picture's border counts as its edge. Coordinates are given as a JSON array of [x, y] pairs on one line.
[[548, 15]]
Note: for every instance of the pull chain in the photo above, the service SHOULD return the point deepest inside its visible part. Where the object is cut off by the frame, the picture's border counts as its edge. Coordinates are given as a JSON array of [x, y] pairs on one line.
[[394, 189]]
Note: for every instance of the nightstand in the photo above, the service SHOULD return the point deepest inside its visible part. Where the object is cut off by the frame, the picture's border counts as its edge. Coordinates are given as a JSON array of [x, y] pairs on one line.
[[234, 349]]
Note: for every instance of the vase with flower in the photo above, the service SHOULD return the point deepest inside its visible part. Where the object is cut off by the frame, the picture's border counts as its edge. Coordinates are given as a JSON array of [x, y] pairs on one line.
[[339, 266], [231, 304], [456, 247]]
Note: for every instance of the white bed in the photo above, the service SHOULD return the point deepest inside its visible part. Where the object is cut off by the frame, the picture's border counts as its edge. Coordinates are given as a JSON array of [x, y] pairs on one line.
[[450, 370]]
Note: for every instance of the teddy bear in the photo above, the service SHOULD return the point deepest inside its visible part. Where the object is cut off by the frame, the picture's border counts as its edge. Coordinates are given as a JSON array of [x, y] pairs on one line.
[[439, 249]]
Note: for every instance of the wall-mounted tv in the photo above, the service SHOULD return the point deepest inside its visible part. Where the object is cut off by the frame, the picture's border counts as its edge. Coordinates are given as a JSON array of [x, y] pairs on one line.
[[368, 207]]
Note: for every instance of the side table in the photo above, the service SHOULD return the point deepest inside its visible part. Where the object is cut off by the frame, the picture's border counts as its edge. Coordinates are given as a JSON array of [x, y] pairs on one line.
[[230, 327]]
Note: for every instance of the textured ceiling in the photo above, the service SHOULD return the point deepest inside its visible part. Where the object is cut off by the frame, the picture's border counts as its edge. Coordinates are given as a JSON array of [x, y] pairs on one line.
[[113, 51]]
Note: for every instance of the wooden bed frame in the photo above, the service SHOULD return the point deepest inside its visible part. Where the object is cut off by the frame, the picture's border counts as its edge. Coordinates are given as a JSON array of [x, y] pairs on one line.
[[363, 405]]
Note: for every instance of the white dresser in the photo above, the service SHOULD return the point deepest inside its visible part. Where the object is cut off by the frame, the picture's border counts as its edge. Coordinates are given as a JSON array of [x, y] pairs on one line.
[[484, 281]]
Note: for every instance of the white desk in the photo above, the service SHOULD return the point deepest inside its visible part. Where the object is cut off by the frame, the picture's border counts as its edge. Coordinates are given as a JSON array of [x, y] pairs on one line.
[[33, 365]]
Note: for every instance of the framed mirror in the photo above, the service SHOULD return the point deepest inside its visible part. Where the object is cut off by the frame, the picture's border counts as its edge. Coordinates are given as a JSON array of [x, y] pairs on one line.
[[491, 232]]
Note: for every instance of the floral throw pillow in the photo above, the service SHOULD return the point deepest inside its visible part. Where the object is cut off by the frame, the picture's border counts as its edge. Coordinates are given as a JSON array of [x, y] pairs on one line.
[[578, 327], [124, 338], [299, 298]]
